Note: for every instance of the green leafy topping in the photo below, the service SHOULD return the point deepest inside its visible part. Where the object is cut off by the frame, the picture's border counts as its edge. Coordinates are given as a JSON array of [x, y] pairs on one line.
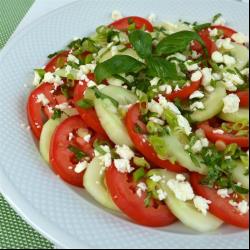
[[79, 154], [40, 72], [85, 103], [57, 114], [203, 26], [142, 43], [216, 17], [139, 174], [178, 42], [117, 65], [54, 54]]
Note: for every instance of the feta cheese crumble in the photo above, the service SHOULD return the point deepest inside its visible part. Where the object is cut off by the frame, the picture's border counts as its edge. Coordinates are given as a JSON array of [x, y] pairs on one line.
[[217, 57], [155, 107], [196, 94], [240, 38], [206, 76], [155, 178], [202, 204], [41, 98], [183, 123], [162, 195], [80, 167], [156, 120], [72, 58], [231, 104], [124, 152], [229, 60], [37, 79], [71, 136], [123, 165], [140, 188], [218, 131], [87, 138], [197, 106], [196, 76], [224, 193]]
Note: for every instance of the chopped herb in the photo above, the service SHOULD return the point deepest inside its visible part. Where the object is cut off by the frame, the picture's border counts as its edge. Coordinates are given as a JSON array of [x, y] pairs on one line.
[[203, 26], [216, 17], [40, 72], [54, 54], [138, 174], [77, 152], [147, 201], [240, 190], [57, 114]]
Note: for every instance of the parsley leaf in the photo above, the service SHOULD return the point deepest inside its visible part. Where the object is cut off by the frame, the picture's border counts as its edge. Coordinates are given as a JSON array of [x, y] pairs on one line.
[[77, 152], [57, 114]]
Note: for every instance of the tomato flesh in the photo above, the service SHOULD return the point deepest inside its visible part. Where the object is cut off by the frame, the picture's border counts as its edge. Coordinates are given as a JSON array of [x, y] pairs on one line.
[[142, 145], [52, 64], [226, 138], [123, 192], [123, 24], [185, 92], [220, 207], [63, 161], [88, 115], [244, 98]]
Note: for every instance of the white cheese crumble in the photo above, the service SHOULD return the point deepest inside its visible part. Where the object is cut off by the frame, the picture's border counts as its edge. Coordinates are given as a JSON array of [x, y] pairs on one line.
[[37, 79], [71, 136], [218, 131], [243, 207], [196, 94], [183, 123], [202, 204], [225, 44], [224, 193], [180, 177], [72, 58], [166, 88], [240, 38], [206, 76], [229, 60], [191, 66], [230, 86], [156, 120], [91, 84], [87, 138], [217, 57], [196, 76], [177, 88], [80, 167], [63, 106], [232, 78], [162, 195], [231, 103], [155, 81], [124, 152], [41, 98], [179, 56], [116, 15], [213, 32], [183, 190], [140, 188], [200, 144], [156, 178], [123, 165], [155, 107], [216, 76], [197, 106]]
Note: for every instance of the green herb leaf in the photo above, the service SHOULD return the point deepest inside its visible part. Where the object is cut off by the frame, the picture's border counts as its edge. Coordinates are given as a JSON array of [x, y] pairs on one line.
[[148, 199], [203, 26], [85, 103], [178, 42], [55, 54], [138, 174], [142, 43], [77, 152], [240, 190], [159, 67], [216, 17], [57, 114], [40, 72], [117, 65]]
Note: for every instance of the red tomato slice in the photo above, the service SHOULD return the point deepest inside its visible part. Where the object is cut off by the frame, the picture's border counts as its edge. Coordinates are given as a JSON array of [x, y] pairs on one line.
[[244, 98], [227, 138], [63, 161], [142, 145], [228, 32], [52, 64], [140, 22], [88, 115], [185, 92], [210, 44], [123, 193], [35, 110], [219, 207]]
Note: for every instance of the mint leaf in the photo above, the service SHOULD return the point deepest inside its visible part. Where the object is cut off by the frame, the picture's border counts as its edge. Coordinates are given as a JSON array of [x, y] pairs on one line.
[[142, 43], [177, 42], [117, 65], [160, 67]]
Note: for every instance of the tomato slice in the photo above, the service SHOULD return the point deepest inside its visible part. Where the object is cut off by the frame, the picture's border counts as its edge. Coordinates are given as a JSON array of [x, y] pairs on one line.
[[142, 145], [52, 64], [209, 43], [88, 115], [227, 138], [220, 207], [123, 192], [185, 92], [140, 22], [228, 32], [35, 110], [63, 161], [244, 98]]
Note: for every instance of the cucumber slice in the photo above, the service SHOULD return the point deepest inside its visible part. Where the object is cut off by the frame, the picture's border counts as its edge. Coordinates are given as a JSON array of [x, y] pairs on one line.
[[62, 73], [111, 122], [121, 95], [239, 175], [48, 130], [175, 150], [128, 52], [241, 54], [94, 184], [213, 105], [186, 211], [241, 115]]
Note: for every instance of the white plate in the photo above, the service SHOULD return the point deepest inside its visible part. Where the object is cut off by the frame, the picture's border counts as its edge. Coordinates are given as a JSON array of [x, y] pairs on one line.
[[69, 217]]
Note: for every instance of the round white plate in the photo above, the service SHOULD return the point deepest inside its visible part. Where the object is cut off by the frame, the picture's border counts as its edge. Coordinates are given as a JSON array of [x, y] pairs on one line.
[[69, 217]]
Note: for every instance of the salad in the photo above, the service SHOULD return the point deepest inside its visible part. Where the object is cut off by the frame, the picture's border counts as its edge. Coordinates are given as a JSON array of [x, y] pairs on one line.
[[151, 119]]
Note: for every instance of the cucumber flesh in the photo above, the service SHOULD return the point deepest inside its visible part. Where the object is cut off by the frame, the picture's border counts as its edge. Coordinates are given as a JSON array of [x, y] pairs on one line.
[[239, 116], [48, 130], [239, 175], [213, 105], [112, 122], [241, 54], [94, 184], [186, 211], [128, 52], [176, 150]]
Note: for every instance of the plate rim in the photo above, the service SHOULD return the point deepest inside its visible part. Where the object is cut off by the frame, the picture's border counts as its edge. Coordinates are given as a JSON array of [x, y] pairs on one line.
[[18, 202]]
